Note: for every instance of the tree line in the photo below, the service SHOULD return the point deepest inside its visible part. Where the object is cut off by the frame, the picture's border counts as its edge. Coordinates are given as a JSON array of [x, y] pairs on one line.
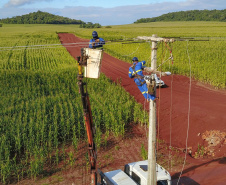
[[40, 18], [90, 25], [191, 15]]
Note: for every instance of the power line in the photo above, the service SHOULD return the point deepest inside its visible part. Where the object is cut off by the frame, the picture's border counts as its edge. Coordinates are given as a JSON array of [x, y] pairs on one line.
[[111, 42], [44, 46], [189, 109]]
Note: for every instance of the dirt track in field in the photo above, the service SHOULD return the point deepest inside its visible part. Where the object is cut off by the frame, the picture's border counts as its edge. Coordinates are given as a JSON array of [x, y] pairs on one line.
[[204, 109]]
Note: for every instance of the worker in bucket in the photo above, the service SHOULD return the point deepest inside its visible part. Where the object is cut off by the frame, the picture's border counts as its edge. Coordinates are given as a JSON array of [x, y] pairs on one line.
[[136, 72], [96, 42]]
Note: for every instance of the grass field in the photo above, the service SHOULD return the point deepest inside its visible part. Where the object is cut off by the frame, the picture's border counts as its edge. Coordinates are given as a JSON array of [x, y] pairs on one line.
[[40, 106], [207, 58]]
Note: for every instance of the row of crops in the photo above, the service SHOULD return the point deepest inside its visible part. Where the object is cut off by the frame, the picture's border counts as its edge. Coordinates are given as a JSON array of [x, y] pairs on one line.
[[40, 108], [207, 58]]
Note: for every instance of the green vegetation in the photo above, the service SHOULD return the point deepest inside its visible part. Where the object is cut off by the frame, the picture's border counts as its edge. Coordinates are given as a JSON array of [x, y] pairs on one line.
[[90, 25], [207, 58], [163, 157], [202, 152], [40, 108], [191, 15], [144, 152], [40, 18]]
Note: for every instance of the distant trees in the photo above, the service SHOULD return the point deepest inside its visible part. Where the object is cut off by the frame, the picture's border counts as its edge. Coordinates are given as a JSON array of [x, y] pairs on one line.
[[47, 18], [191, 15], [40, 18], [90, 25]]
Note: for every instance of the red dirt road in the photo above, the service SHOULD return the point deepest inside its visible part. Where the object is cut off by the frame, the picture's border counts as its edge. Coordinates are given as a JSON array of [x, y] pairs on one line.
[[197, 114]]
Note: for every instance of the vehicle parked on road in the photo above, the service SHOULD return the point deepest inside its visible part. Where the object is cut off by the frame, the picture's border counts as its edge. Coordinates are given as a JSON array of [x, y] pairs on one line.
[[158, 81], [135, 173]]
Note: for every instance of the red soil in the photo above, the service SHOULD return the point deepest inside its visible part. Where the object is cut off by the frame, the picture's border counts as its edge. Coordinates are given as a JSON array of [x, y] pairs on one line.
[[199, 115]]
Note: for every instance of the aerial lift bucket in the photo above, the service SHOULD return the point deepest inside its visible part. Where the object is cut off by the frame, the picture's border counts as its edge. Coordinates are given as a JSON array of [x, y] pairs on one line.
[[92, 70]]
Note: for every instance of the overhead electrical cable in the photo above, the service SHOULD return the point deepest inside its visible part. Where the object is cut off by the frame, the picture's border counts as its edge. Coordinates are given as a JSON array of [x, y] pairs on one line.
[[189, 109]]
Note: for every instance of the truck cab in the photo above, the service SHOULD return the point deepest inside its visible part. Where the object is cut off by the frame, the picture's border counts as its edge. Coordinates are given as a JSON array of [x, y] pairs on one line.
[[135, 174], [117, 177], [138, 171]]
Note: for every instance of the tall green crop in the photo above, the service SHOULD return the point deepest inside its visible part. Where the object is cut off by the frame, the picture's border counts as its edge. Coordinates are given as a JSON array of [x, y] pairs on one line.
[[208, 62], [40, 105]]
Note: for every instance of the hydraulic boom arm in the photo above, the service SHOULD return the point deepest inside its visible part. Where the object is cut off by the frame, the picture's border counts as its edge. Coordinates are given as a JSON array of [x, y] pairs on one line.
[[88, 119]]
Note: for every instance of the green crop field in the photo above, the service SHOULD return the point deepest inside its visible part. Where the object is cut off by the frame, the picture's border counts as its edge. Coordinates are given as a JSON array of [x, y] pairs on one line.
[[207, 58], [40, 106]]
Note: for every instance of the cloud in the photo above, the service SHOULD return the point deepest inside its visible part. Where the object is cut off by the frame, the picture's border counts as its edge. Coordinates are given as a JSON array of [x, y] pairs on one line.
[[17, 3], [121, 14], [129, 14], [12, 12]]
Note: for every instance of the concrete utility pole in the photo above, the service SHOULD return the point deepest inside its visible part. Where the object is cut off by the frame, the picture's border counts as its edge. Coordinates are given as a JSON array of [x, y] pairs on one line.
[[152, 177]]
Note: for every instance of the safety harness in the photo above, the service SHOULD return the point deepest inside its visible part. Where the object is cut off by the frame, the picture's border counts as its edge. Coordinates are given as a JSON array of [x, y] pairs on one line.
[[139, 77]]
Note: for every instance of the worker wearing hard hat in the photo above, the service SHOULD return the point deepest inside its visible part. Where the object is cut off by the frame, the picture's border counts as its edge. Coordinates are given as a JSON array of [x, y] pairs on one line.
[[96, 42], [135, 71]]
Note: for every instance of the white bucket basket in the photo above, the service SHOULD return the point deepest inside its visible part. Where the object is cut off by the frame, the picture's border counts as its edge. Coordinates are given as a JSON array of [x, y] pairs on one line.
[[92, 70]]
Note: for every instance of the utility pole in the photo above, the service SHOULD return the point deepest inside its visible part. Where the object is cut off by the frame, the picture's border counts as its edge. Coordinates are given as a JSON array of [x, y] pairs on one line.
[[152, 177]]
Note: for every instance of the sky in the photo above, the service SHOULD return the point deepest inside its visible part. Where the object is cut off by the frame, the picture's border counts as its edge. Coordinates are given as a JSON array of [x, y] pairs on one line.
[[106, 12]]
